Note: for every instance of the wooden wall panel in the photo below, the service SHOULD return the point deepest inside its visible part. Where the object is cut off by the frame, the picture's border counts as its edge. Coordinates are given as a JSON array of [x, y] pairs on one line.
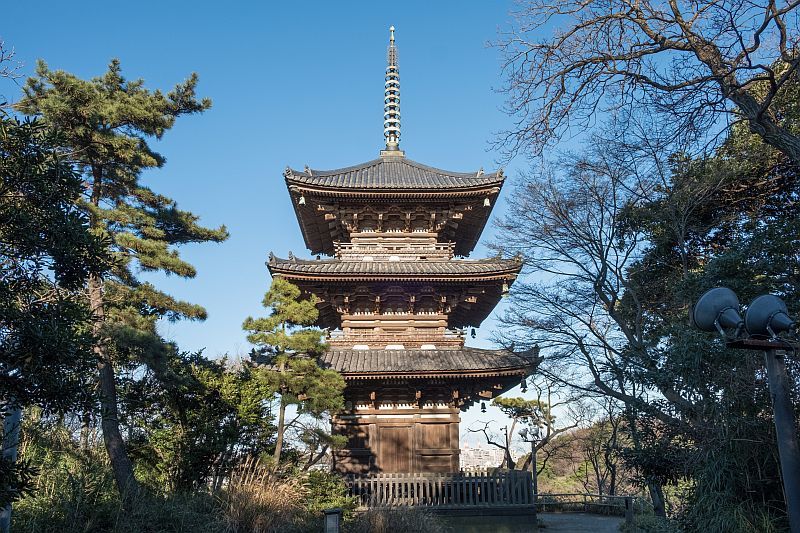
[[395, 447]]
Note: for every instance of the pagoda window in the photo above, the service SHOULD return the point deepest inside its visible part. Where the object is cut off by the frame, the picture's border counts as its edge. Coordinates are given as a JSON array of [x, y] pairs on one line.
[[420, 223], [396, 305], [426, 306], [394, 224]]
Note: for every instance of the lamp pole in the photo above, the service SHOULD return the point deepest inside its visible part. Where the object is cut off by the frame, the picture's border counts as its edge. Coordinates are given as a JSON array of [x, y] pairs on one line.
[[786, 431], [532, 436], [785, 424], [766, 318], [533, 471]]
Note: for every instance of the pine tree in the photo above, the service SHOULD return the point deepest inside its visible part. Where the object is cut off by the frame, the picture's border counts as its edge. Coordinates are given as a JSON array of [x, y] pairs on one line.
[[107, 123], [289, 342]]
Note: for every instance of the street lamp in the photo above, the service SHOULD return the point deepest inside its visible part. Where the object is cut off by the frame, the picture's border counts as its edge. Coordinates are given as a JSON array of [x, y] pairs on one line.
[[765, 320], [532, 435]]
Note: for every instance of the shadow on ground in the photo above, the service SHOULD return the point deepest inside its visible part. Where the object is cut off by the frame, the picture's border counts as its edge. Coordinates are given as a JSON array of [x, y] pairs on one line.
[[550, 523]]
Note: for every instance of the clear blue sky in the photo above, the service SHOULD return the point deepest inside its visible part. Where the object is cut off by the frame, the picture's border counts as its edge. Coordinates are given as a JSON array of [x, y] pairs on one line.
[[293, 83]]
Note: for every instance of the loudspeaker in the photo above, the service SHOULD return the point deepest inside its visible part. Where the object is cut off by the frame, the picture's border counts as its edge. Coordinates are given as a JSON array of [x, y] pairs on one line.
[[767, 315], [718, 308]]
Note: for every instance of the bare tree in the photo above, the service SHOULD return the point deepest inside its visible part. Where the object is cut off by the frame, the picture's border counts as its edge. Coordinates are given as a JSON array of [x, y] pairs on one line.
[[543, 424], [502, 441], [577, 300], [600, 449], [692, 63], [534, 420], [9, 68]]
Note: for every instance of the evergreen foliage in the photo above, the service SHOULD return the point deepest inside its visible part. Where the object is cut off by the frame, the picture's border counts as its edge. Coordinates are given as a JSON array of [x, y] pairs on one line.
[[287, 342], [192, 422], [46, 253], [105, 125]]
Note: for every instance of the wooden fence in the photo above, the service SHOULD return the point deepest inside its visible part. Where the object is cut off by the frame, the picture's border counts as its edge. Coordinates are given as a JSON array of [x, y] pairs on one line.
[[462, 490]]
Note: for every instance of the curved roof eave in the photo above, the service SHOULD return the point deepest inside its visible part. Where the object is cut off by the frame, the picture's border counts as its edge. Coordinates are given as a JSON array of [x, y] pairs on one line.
[[392, 174]]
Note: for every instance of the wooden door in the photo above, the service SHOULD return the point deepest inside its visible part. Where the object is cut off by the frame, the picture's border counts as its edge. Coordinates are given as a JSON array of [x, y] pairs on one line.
[[395, 449]]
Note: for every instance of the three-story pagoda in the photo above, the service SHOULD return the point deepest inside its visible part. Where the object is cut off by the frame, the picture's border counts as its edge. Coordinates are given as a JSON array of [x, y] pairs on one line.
[[396, 302]]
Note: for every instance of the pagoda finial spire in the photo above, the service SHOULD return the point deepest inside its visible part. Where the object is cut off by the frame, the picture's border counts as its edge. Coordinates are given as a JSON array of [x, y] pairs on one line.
[[391, 99]]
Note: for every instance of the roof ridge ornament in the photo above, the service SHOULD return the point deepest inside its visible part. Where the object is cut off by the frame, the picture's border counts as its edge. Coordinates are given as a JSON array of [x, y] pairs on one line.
[[391, 102]]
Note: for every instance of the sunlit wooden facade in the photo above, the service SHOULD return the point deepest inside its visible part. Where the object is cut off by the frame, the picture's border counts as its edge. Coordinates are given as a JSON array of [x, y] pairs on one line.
[[397, 296]]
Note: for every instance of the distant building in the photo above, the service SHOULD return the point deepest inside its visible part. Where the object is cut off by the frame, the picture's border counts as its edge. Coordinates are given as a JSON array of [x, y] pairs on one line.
[[480, 457]]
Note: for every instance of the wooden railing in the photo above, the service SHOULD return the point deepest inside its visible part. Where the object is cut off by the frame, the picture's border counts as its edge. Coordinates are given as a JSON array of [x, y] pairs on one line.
[[589, 503], [462, 490]]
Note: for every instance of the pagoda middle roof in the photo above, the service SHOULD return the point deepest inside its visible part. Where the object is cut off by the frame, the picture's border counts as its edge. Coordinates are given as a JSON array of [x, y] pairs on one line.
[[453, 270], [456, 362], [393, 173]]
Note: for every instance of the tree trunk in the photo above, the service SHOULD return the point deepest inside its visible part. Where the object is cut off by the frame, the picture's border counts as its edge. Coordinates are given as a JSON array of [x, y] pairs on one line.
[[760, 119], [763, 125], [657, 495], [109, 418], [281, 423], [612, 483], [86, 420]]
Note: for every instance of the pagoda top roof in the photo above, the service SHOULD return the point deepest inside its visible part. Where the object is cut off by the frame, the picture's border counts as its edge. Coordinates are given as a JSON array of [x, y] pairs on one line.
[[427, 363], [453, 270], [393, 173]]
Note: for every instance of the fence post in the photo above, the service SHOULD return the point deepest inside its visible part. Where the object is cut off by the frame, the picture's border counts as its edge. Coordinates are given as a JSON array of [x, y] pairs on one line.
[[628, 511]]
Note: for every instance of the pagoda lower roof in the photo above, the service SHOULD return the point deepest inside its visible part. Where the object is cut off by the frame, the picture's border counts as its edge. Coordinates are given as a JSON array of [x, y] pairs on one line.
[[453, 270], [392, 174], [461, 362]]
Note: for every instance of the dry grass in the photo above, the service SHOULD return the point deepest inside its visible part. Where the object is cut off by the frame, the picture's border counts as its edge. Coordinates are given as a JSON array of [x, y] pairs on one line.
[[257, 500]]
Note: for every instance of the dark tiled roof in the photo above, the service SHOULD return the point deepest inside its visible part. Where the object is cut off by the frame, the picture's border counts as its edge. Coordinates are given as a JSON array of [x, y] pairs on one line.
[[393, 173], [427, 361], [426, 269]]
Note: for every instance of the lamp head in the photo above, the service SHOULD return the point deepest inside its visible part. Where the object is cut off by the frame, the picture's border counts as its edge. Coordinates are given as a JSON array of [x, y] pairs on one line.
[[717, 309], [768, 315]]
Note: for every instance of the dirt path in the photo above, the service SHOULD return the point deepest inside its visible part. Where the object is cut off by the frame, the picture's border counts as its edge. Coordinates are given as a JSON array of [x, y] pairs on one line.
[[551, 522]]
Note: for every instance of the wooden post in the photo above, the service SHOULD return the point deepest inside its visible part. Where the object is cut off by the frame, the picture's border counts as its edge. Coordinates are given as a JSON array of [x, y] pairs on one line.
[[629, 511]]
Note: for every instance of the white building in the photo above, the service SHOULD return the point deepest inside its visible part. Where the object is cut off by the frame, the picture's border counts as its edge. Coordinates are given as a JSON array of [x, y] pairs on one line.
[[480, 457]]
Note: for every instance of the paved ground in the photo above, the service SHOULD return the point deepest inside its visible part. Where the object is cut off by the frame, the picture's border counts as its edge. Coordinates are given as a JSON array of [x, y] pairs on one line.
[[550, 522], [579, 523]]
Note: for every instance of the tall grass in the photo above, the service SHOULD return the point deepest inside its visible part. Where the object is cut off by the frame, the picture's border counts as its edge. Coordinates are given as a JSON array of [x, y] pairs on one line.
[[258, 500], [75, 492]]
